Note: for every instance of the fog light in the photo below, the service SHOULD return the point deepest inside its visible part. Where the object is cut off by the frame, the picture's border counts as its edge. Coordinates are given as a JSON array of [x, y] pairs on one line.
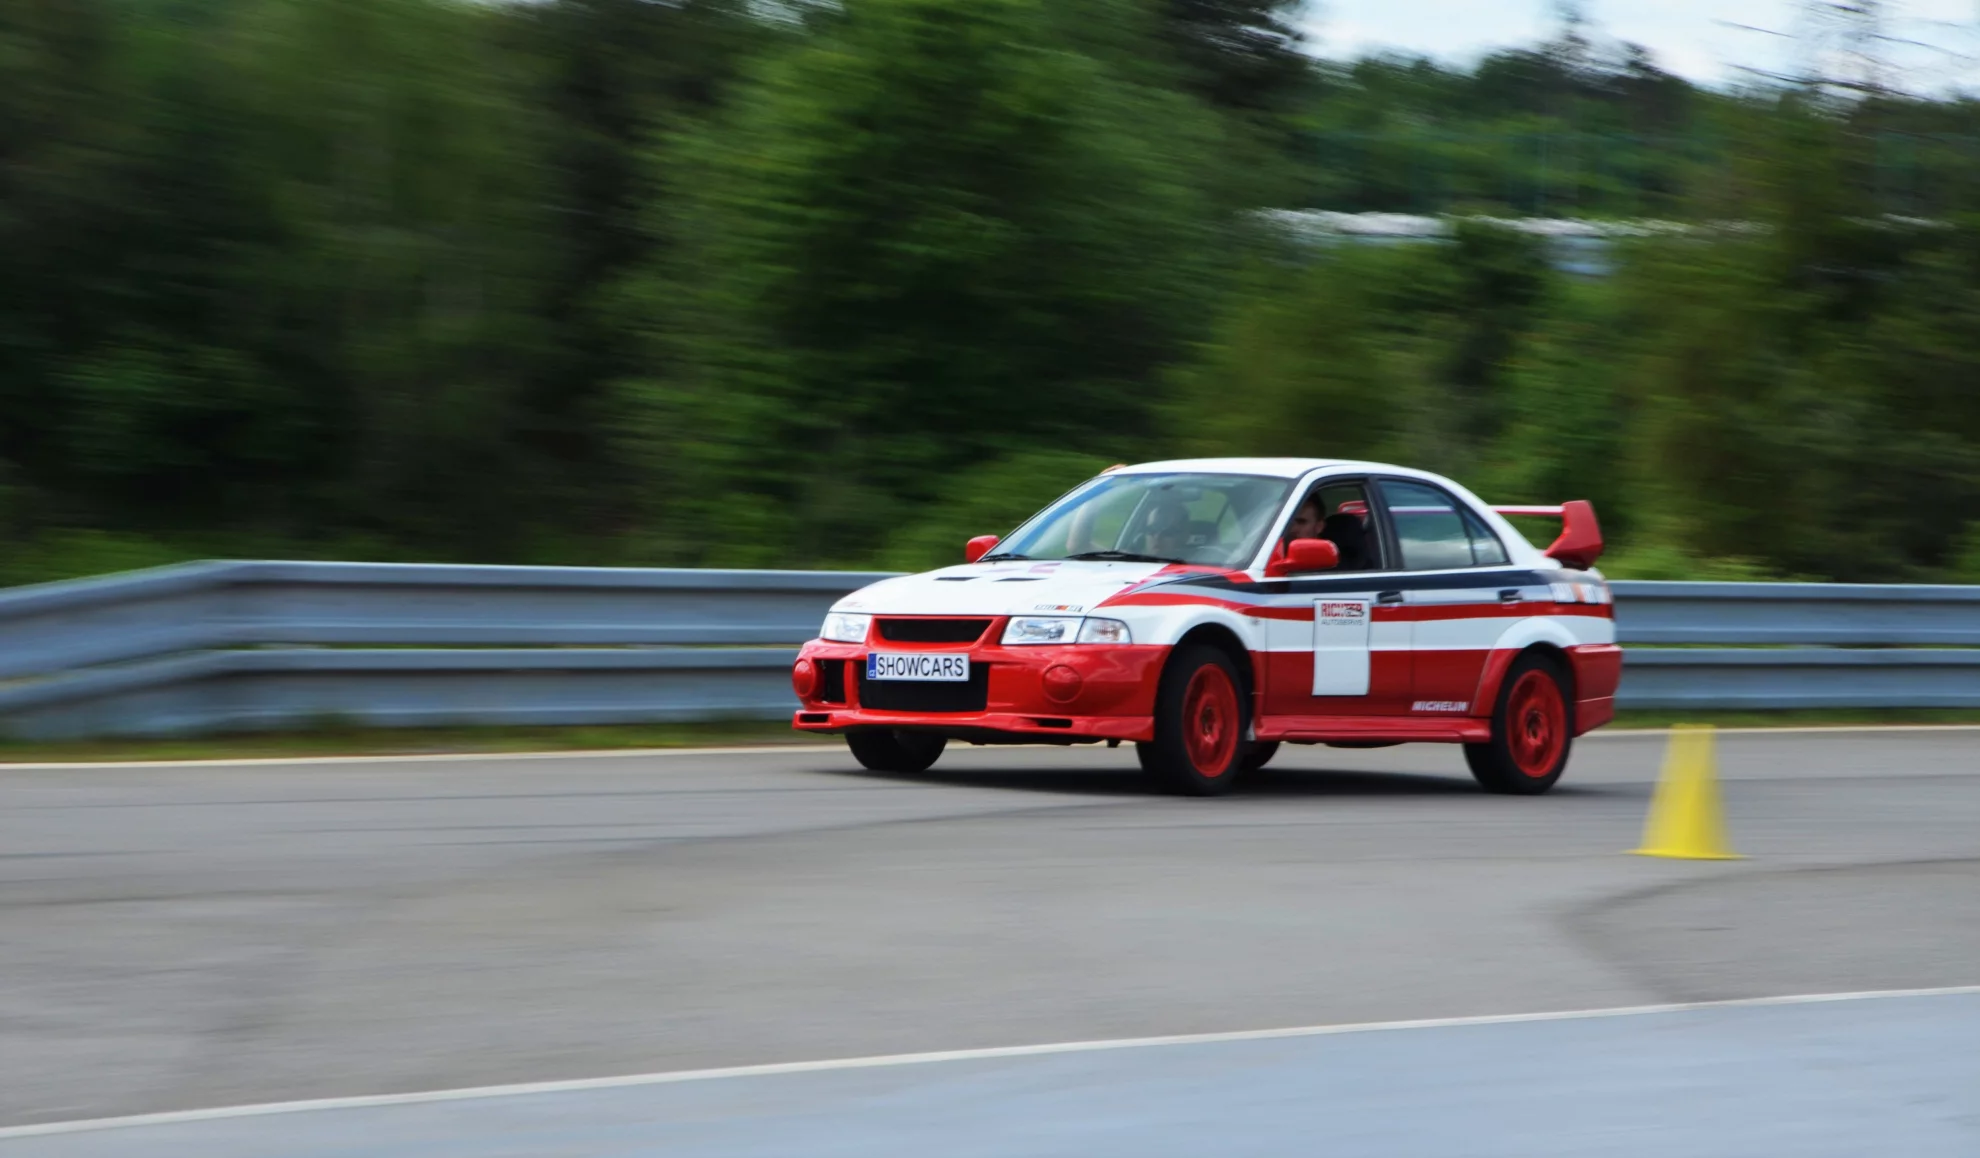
[[1062, 683], [804, 678]]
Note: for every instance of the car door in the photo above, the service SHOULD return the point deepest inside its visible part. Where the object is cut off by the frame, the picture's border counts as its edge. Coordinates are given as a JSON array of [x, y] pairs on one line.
[[1334, 646], [1458, 592]]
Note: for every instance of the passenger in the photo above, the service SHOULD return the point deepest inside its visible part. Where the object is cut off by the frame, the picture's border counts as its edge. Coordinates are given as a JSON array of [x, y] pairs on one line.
[[1168, 530]]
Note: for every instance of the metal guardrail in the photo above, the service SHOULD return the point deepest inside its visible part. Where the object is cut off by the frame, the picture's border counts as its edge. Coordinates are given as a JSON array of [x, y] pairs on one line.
[[1831, 614], [1877, 645], [62, 626], [1800, 677], [236, 645]]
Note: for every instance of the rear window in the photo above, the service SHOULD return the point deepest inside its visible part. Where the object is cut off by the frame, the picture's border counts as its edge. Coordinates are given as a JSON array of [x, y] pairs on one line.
[[1437, 533]]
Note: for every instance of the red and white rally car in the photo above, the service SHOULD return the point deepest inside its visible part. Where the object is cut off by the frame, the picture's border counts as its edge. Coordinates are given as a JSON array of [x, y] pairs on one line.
[[1211, 609]]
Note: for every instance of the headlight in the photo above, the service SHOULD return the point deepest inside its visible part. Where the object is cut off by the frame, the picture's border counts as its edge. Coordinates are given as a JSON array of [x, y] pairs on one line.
[[1029, 629], [1104, 631], [1058, 629], [841, 627]]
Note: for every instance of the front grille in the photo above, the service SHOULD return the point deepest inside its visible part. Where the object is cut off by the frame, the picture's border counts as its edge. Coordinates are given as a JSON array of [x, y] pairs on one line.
[[926, 695], [932, 630]]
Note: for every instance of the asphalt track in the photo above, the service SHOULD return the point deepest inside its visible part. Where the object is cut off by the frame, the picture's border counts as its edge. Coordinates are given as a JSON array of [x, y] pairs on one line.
[[193, 936]]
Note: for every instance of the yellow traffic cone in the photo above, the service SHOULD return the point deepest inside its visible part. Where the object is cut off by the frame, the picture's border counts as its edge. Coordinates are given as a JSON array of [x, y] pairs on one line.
[[1686, 818]]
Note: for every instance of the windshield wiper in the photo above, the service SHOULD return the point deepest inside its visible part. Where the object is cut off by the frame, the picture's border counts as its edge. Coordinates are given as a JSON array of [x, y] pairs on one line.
[[1120, 557], [1002, 555]]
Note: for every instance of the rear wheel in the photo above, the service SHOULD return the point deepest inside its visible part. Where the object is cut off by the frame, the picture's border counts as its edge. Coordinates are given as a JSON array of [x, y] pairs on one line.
[[894, 750], [1532, 730], [1200, 721]]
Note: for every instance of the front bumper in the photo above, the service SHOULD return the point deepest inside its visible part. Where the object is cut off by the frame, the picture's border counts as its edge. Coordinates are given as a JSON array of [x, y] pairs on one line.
[[1114, 698]]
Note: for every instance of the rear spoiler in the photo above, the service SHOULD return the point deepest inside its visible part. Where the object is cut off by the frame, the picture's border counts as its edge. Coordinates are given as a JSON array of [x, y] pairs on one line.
[[1580, 541]]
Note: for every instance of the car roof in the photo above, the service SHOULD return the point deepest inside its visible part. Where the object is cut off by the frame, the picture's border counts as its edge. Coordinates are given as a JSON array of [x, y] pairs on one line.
[[1269, 467]]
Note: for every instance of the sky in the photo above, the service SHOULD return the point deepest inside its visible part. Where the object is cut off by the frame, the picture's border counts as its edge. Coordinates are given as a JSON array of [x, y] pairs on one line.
[[1694, 38]]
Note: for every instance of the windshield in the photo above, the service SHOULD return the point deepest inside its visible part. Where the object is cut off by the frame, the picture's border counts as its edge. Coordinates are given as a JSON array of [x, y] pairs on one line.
[[1214, 519]]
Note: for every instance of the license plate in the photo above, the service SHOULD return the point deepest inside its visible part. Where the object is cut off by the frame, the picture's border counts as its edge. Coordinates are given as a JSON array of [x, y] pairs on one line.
[[937, 666]]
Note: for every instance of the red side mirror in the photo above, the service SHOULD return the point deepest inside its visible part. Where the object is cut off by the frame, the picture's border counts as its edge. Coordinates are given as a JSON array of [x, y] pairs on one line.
[[978, 547], [1303, 555]]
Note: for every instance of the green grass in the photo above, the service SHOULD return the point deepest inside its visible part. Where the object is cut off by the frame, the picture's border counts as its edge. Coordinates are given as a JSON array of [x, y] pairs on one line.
[[358, 741]]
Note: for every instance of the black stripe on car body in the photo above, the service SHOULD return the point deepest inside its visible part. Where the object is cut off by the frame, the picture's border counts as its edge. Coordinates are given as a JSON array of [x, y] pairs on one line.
[[1484, 580]]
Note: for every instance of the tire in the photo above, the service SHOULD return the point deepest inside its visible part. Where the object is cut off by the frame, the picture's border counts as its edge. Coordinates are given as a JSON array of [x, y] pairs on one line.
[[1258, 754], [1532, 730], [1200, 723], [894, 750]]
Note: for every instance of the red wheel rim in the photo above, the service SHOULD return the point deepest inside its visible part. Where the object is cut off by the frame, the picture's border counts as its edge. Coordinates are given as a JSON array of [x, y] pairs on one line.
[[1210, 720], [1536, 723]]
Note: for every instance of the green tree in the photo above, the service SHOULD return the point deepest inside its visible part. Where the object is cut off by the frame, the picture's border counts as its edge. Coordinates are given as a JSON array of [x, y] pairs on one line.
[[1804, 392], [931, 232], [1238, 54], [1399, 352], [990, 500], [1302, 349], [614, 75], [127, 203], [405, 166]]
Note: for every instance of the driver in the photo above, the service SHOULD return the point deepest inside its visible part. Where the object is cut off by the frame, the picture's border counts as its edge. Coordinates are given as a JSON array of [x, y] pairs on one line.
[[1305, 524], [1306, 521]]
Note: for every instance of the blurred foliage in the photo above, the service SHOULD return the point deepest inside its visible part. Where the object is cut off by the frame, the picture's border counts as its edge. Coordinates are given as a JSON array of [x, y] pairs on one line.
[[930, 233], [992, 499], [1576, 126], [841, 284], [1792, 400]]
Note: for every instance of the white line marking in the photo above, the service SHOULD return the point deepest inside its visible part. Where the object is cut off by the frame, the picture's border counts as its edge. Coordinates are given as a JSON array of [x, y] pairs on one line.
[[672, 1077]]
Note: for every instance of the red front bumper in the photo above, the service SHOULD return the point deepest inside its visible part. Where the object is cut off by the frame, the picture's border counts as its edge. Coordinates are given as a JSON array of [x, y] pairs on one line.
[[1112, 697]]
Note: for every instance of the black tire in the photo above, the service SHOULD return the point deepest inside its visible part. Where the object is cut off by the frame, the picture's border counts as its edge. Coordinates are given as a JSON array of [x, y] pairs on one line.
[[894, 750], [1531, 738], [1205, 759], [1258, 754]]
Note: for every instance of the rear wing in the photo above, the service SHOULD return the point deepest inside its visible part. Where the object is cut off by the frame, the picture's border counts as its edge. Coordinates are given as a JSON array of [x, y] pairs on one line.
[[1580, 541]]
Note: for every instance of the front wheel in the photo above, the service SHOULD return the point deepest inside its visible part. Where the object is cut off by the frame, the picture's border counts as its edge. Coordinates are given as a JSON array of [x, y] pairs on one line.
[[1532, 731], [1200, 721], [893, 750]]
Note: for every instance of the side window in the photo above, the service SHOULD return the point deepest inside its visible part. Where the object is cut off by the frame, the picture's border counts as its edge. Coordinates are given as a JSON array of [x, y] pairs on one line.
[[1339, 513], [1435, 533], [1486, 550]]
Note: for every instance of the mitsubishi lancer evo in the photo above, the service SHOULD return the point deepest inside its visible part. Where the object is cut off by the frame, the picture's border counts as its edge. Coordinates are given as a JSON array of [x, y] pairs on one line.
[[1211, 610]]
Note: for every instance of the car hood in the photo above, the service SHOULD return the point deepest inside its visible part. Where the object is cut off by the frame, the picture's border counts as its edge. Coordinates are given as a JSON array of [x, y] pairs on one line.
[[1049, 587]]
